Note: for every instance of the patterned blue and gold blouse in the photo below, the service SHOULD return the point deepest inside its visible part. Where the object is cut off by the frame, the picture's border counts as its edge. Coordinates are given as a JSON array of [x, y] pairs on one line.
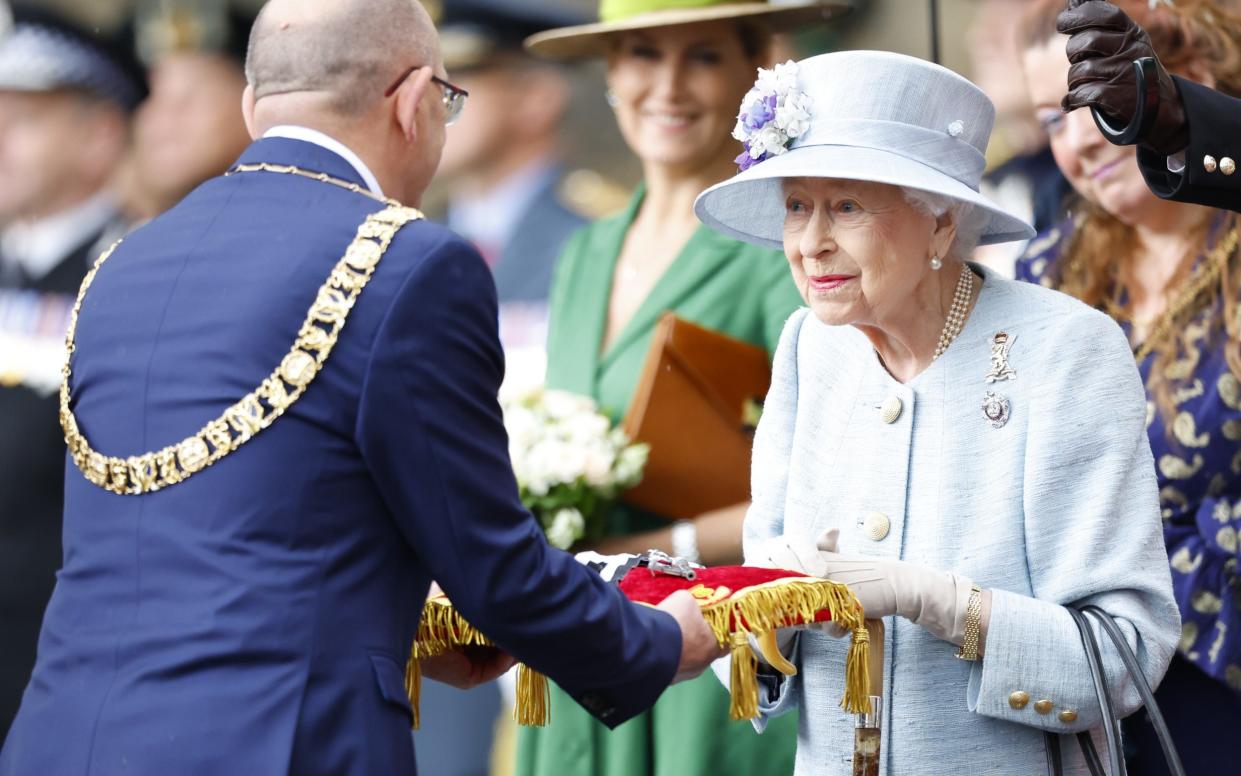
[[1198, 461]]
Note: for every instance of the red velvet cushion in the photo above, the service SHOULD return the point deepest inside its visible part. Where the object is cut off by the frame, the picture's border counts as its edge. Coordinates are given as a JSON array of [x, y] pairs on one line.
[[713, 585]]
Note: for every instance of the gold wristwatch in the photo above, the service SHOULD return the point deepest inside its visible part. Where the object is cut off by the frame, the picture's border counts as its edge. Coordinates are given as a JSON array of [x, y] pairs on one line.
[[973, 626]]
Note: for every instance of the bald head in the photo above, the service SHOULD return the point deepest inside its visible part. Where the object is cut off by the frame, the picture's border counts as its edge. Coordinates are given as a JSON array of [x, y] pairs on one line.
[[346, 51]]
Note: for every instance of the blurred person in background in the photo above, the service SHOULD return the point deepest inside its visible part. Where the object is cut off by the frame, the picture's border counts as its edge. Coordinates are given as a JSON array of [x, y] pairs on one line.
[[502, 170], [190, 129], [1168, 272], [1021, 173], [65, 103], [676, 76]]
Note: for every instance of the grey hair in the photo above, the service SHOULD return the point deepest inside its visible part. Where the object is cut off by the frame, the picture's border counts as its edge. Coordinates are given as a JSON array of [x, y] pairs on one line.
[[349, 50], [969, 220]]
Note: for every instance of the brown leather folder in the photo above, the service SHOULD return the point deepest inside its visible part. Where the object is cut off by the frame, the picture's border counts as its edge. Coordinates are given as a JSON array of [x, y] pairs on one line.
[[689, 406]]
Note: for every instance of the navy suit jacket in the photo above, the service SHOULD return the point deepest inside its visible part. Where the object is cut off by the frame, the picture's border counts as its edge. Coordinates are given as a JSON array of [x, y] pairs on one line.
[[256, 618], [1215, 131]]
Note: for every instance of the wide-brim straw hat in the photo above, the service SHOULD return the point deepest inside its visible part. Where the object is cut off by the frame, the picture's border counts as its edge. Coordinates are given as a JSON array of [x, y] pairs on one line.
[[586, 40], [879, 117]]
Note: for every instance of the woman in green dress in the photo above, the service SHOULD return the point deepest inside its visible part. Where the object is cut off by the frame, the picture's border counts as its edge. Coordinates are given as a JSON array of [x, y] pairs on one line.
[[677, 71]]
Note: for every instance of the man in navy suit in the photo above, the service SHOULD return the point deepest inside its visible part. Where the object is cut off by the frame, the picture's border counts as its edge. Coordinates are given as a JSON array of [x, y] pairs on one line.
[[258, 496]]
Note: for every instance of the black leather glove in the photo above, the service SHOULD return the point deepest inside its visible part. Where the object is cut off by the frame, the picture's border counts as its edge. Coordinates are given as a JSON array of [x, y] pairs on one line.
[[1103, 46]]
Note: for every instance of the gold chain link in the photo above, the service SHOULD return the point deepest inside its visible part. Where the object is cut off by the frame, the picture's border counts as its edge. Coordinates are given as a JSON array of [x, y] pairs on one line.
[[260, 408], [1207, 274], [319, 177]]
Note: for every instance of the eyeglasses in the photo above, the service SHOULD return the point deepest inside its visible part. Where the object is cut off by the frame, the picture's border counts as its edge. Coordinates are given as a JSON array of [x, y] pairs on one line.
[[454, 96]]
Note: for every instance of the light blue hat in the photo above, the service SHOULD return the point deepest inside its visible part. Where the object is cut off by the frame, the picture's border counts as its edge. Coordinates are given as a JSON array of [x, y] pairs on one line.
[[858, 115]]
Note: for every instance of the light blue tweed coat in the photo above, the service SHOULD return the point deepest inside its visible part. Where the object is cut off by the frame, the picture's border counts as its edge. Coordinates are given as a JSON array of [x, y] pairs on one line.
[[1058, 506]]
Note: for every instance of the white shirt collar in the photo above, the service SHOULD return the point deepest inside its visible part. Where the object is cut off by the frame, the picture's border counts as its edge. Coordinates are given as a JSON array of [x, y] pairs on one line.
[[38, 246], [309, 135]]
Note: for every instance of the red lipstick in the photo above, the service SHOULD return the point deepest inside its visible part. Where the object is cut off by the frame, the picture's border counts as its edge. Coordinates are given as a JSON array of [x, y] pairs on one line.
[[824, 283]]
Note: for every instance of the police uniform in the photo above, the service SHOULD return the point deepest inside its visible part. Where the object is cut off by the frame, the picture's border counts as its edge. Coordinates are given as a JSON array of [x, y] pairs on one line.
[[1206, 172], [41, 267]]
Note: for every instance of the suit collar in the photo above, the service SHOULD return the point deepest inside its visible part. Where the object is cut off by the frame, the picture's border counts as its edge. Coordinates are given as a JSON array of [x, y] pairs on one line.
[[303, 154]]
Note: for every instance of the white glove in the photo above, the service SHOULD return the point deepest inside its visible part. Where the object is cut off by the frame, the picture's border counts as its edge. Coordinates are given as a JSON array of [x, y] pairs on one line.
[[935, 600], [788, 553]]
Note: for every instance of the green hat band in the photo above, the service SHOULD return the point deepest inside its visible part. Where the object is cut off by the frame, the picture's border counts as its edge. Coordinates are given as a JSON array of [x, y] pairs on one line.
[[618, 10]]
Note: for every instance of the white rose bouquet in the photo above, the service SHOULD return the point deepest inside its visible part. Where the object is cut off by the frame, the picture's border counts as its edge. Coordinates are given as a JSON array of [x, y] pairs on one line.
[[570, 461]]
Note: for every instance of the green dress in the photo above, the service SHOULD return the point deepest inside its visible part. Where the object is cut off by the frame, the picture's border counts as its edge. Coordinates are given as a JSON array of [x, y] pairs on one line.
[[745, 292]]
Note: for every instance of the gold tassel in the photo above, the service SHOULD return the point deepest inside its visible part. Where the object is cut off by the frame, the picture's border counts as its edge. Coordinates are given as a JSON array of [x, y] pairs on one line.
[[534, 701], [442, 628], [857, 677], [413, 686], [743, 681], [760, 609]]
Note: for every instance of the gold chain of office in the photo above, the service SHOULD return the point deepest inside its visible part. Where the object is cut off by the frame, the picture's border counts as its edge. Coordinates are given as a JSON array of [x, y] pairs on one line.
[[150, 472]]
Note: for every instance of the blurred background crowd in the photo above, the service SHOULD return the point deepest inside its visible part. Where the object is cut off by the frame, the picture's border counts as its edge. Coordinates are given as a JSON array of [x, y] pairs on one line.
[[112, 110]]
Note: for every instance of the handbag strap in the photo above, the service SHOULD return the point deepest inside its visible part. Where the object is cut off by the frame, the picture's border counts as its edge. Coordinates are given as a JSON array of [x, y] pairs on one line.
[[1130, 660], [1086, 744], [1111, 723], [1055, 760]]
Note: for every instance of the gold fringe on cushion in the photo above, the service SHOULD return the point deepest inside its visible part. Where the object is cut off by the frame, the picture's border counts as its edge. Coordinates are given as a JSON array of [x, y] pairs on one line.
[[413, 688], [534, 699], [442, 629], [743, 680], [766, 608], [757, 610]]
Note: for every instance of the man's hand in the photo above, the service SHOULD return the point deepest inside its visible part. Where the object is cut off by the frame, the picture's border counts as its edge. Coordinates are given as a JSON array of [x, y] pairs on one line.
[[467, 667], [1103, 46], [699, 647]]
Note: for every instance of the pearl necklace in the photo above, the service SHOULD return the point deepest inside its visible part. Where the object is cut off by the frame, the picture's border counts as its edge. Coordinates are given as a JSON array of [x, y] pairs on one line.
[[958, 311]]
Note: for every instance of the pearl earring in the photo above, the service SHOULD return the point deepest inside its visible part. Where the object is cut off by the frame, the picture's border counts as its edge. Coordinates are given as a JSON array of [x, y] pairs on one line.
[[612, 99], [936, 263]]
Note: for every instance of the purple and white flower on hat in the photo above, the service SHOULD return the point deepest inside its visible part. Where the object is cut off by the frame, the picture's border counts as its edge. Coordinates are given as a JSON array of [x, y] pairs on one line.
[[773, 114]]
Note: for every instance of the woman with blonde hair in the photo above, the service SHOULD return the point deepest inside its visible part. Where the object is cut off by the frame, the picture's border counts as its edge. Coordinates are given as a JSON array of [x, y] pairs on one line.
[[1169, 273], [676, 72]]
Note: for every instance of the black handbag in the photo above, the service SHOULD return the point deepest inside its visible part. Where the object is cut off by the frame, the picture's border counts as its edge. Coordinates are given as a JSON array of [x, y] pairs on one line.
[[1111, 726]]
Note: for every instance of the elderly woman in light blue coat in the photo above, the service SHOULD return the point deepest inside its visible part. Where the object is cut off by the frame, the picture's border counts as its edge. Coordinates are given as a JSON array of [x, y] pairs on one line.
[[967, 453]]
